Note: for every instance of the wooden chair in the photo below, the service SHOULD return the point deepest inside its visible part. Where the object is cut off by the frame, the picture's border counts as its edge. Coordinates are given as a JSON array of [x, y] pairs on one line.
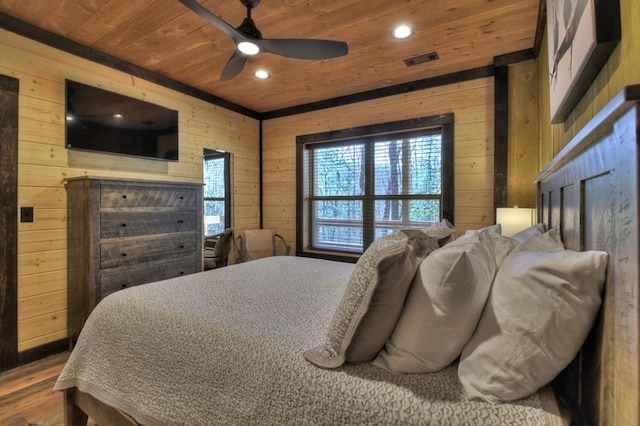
[[258, 243], [217, 248]]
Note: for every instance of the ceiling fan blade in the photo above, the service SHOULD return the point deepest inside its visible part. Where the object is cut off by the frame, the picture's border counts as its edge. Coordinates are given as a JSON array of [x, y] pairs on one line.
[[234, 66], [304, 48], [204, 13]]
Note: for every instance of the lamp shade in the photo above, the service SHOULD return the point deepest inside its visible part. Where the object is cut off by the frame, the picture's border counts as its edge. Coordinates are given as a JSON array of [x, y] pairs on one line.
[[514, 220]]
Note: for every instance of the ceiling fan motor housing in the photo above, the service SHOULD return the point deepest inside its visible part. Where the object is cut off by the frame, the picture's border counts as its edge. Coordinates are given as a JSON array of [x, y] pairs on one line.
[[249, 27], [250, 3]]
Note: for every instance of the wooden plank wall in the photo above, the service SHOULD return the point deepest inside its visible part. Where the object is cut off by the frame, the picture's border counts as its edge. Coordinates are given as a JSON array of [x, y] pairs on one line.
[[522, 163], [44, 163], [472, 104]]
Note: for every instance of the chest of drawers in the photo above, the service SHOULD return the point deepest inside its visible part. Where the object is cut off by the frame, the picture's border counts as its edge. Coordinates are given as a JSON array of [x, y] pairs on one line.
[[123, 233]]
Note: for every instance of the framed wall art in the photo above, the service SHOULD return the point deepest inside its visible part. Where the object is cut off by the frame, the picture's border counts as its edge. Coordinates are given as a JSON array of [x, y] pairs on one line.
[[582, 34]]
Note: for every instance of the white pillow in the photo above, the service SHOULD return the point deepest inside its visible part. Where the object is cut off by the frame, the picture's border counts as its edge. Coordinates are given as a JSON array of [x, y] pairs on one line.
[[444, 304], [497, 228], [550, 240], [538, 228], [542, 305]]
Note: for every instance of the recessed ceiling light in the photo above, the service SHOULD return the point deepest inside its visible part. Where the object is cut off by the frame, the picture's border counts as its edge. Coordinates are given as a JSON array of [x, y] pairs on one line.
[[262, 74], [402, 32]]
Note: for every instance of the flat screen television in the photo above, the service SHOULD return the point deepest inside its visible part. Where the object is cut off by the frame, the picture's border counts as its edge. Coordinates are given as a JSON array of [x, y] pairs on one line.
[[103, 121]]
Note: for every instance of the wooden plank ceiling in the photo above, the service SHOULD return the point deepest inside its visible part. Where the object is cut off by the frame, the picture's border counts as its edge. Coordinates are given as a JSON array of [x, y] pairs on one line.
[[165, 37]]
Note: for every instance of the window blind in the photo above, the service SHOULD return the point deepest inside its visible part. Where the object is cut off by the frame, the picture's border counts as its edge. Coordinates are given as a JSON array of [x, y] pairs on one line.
[[361, 189]]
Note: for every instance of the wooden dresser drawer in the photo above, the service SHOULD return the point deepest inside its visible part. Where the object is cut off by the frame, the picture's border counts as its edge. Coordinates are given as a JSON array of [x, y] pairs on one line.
[[118, 223], [118, 196], [124, 232], [110, 282], [135, 251]]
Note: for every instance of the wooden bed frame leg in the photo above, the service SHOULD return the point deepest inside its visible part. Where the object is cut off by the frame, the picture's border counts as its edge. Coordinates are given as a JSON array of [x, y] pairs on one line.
[[73, 415]]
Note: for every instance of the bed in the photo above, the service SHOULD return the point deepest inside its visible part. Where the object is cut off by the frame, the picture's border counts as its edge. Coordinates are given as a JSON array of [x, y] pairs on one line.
[[185, 351]]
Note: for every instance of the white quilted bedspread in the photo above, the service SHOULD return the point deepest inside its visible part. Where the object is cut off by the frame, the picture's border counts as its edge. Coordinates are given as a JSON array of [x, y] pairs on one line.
[[224, 347]]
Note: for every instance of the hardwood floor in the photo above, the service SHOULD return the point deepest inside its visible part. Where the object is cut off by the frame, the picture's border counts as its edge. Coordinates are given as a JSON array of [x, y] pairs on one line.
[[27, 396]]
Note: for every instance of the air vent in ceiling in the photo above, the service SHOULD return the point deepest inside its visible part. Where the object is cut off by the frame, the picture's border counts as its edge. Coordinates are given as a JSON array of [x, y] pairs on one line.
[[421, 59]]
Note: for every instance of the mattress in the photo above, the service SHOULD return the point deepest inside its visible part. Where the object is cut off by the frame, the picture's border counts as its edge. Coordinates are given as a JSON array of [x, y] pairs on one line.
[[224, 347]]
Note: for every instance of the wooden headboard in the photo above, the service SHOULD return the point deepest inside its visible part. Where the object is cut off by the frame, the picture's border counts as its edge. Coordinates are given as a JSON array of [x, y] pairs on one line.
[[590, 192]]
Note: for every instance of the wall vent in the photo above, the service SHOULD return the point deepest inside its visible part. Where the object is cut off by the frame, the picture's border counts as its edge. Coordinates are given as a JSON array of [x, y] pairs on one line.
[[421, 59]]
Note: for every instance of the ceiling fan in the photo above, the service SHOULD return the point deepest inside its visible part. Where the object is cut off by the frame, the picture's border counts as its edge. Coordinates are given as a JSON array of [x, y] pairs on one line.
[[249, 41]]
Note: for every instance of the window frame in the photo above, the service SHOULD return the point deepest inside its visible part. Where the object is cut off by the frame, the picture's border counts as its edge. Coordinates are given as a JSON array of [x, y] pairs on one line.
[[371, 134], [210, 154]]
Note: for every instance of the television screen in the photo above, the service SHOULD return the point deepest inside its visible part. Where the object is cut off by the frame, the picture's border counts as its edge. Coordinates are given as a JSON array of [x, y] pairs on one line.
[[103, 121]]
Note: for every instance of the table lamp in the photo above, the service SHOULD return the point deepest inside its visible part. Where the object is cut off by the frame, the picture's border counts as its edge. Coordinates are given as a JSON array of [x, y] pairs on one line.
[[514, 219]]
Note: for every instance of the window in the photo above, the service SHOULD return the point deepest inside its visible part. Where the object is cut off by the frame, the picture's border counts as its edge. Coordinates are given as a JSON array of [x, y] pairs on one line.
[[217, 202], [355, 189]]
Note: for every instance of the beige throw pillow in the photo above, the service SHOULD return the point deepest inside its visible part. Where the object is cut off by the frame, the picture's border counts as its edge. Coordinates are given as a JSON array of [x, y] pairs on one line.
[[373, 299], [442, 230], [444, 304], [542, 305]]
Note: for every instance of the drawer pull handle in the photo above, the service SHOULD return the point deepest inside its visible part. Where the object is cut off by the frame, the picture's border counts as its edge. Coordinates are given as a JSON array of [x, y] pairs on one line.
[[124, 225], [124, 254], [124, 196], [181, 246], [180, 221]]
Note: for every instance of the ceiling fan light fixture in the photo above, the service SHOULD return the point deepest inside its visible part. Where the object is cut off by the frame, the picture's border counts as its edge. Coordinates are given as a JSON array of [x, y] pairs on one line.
[[402, 32], [262, 74], [248, 48]]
